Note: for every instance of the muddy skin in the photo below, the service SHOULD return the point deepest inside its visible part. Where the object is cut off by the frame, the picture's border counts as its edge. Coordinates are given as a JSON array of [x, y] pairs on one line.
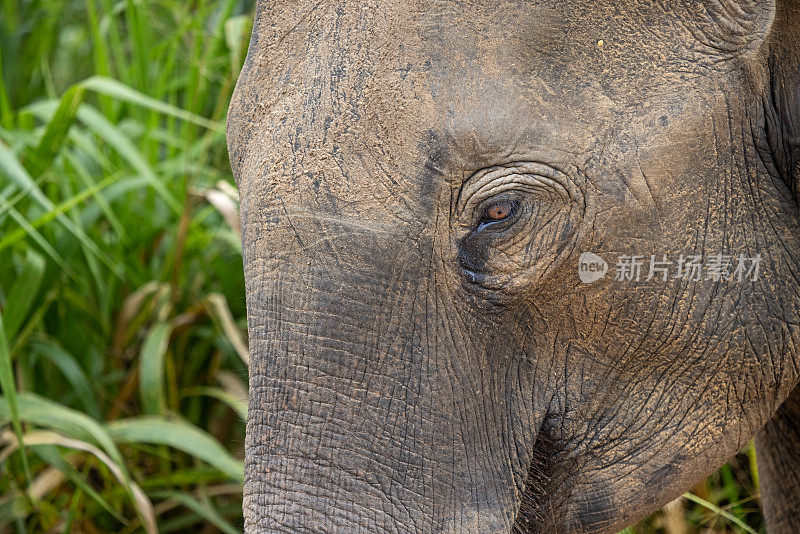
[[418, 181]]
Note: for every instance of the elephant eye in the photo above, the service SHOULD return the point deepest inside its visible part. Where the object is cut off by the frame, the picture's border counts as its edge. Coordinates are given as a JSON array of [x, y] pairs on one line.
[[498, 211]]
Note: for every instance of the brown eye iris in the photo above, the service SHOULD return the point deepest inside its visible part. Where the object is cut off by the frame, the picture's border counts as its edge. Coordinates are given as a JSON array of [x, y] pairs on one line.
[[499, 211]]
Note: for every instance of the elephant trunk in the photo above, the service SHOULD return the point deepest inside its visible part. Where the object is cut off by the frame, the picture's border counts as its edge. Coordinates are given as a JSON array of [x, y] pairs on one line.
[[373, 407]]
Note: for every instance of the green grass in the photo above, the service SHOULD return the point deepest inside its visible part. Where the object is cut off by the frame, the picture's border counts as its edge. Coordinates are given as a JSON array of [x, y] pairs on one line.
[[121, 291], [122, 321]]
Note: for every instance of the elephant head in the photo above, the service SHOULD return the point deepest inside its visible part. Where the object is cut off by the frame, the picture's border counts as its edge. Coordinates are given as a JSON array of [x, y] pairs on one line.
[[516, 266]]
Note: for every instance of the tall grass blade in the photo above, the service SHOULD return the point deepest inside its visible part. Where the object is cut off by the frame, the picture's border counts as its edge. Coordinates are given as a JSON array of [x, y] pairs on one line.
[[52, 139], [719, 511], [226, 207], [218, 308], [151, 369], [237, 404], [112, 112], [139, 55], [237, 30], [179, 435], [45, 482], [10, 398], [753, 465], [77, 379], [48, 414], [120, 91], [23, 292], [6, 115]]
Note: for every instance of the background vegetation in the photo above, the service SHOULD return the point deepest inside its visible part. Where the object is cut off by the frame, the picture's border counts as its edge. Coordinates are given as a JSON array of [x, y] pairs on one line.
[[122, 321]]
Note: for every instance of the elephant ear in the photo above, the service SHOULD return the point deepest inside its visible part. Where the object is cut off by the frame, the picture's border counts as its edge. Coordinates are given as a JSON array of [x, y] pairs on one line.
[[782, 104]]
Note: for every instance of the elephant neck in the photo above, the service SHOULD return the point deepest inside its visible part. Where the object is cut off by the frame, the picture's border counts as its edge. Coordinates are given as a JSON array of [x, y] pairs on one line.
[[778, 452]]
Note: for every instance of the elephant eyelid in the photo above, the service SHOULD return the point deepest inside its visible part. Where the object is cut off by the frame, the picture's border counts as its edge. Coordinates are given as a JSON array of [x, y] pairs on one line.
[[531, 177]]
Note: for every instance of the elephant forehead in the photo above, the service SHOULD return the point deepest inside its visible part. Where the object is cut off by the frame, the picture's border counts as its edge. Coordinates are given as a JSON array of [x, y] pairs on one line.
[[355, 87], [379, 98], [631, 37]]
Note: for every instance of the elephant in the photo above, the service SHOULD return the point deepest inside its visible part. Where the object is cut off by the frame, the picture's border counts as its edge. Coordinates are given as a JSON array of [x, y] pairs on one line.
[[516, 266]]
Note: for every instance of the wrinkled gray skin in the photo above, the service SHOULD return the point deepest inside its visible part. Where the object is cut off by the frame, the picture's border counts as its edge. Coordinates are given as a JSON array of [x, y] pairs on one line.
[[415, 370]]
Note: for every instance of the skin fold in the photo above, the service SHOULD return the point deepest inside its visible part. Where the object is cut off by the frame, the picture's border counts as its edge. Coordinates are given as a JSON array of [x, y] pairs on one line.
[[418, 181]]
